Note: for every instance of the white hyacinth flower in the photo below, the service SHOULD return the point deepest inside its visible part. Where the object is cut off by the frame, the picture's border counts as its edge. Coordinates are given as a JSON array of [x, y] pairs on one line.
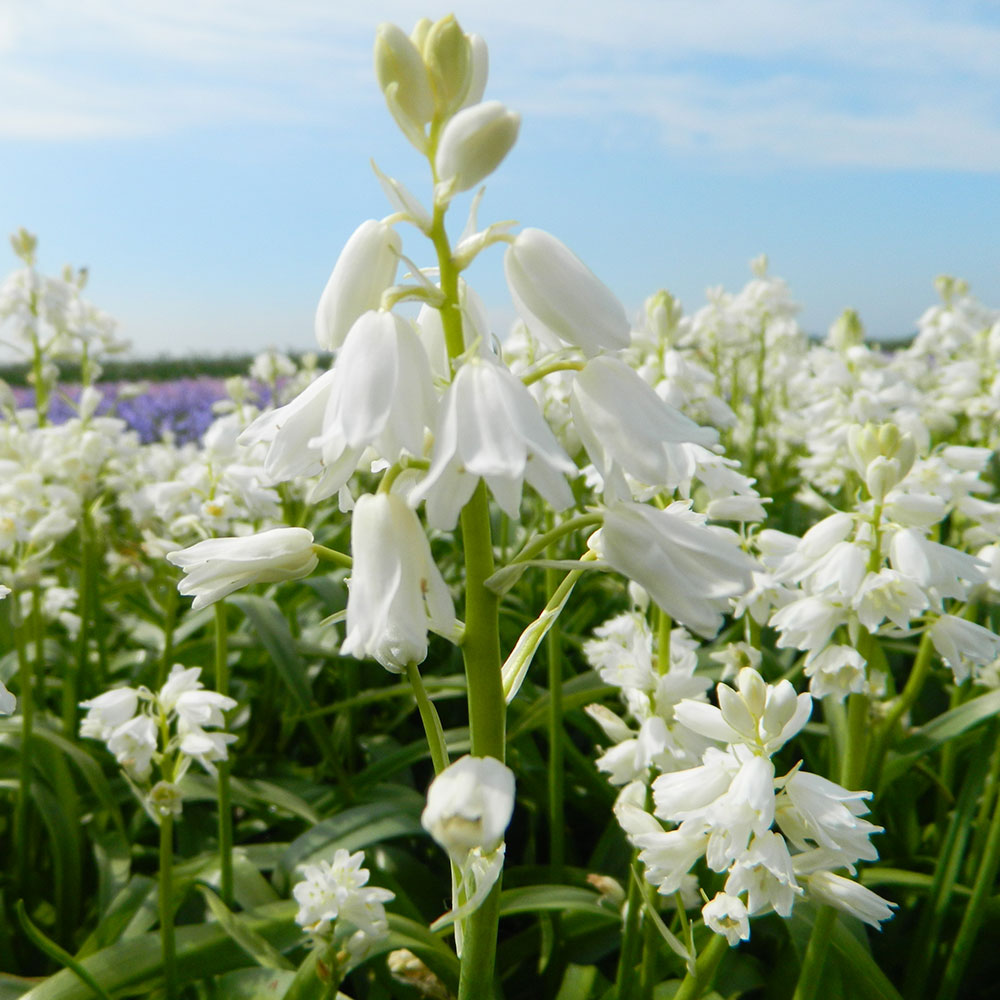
[[490, 427], [627, 428], [395, 591], [727, 915], [690, 569], [7, 701], [365, 268], [469, 806], [339, 890], [382, 395], [560, 299], [108, 711], [217, 567]]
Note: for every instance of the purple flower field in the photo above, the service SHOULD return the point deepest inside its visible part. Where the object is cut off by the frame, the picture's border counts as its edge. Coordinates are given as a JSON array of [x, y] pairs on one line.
[[181, 408]]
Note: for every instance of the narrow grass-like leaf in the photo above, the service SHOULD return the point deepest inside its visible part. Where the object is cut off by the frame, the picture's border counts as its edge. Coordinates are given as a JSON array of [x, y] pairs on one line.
[[249, 940], [64, 958], [939, 731]]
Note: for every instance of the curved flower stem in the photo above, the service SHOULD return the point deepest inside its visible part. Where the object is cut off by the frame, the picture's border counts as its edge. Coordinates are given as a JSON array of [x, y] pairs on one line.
[[541, 542], [697, 982], [430, 719], [225, 794], [852, 766], [811, 972], [919, 673], [332, 556], [169, 624], [529, 378], [167, 942]]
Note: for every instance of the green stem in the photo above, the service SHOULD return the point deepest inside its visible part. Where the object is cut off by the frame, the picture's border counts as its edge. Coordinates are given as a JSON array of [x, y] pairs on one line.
[[631, 938], [852, 766], [811, 972], [430, 719], [697, 982], [919, 673], [664, 626], [541, 542], [225, 793], [169, 624], [975, 911], [332, 556], [26, 703], [167, 943], [529, 378], [481, 646], [557, 812]]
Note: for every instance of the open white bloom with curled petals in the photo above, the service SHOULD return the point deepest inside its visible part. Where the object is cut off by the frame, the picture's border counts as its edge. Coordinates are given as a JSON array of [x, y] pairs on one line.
[[395, 591], [217, 567], [727, 915], [627, 428], [690, 569], [490, 428], [338, 890]]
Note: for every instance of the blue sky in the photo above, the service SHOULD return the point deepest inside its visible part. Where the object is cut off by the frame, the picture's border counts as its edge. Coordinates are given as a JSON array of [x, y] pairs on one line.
[[207, 161]]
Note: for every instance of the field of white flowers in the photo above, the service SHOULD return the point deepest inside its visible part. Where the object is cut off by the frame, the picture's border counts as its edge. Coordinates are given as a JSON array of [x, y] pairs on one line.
[[607, 659]]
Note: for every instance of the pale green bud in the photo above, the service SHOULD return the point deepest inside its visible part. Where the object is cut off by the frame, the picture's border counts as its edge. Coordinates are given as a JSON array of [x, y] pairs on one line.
[[847, 331], [883, 454], [402, 75], [24, 245], [419, 34], [472, 145], [950, 288], [663, 312], [759, 265], [448, 57]]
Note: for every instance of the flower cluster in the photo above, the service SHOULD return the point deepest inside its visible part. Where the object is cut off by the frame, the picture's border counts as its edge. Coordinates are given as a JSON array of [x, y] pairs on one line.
[[181, 723], [336, 903], [775, 838]]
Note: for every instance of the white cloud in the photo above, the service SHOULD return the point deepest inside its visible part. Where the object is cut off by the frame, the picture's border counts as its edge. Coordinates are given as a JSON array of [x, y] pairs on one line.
[[882, 83]]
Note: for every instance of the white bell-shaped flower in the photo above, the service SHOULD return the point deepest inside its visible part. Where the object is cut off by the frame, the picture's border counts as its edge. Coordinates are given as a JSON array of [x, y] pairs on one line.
[[217, 567], [559, 298], [626, 427], [395, 590], [690, 569], [469, 806], [382, 395], [365, 268], [490, 427]]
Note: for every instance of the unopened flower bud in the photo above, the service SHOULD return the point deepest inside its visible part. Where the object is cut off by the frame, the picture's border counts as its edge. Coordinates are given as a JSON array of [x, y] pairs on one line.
[[663, 312], [846, 331], [472, 145], [402, 75], [448, 57], [24, 245], [365, 268], [480, 69]]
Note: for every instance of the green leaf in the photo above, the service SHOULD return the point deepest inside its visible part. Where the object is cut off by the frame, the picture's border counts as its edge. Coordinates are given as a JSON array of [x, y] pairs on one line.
[[250, 941], [939, 731], [561, 898], [134, 967], [272, 629], [577, 982]]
